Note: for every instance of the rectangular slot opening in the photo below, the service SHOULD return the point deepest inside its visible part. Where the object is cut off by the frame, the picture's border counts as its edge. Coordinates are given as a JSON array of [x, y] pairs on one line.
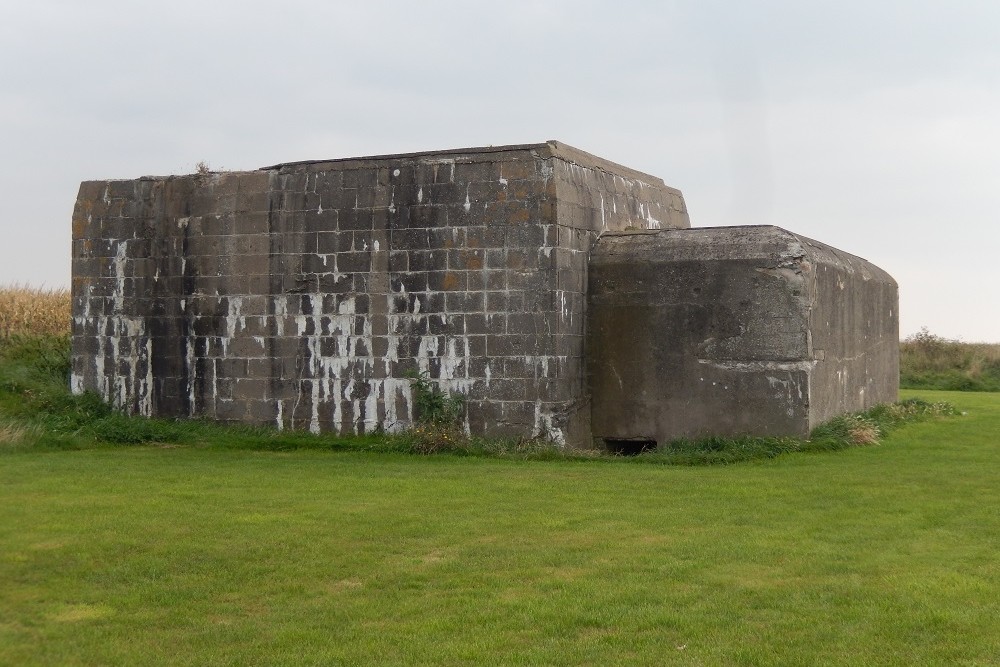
[[629, 446]]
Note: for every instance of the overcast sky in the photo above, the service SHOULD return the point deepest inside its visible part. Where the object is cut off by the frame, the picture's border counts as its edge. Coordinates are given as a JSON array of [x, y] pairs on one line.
[[872, 126]]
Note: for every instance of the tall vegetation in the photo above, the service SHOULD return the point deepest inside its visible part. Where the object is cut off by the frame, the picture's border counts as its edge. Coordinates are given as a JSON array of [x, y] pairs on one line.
[[928, 361], [34, 311]]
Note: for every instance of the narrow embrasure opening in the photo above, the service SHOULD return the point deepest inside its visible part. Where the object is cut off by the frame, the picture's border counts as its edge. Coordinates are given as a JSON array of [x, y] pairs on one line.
[[629, 446]]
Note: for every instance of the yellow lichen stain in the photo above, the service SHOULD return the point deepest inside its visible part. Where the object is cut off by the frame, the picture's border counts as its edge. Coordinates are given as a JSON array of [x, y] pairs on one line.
[[473, 262], [79, 226], [517, 169], [521, 215]]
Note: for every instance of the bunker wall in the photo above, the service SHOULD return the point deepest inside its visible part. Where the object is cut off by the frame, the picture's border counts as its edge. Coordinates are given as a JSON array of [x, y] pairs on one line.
[[716, 331], [300, 295], [854, 325]]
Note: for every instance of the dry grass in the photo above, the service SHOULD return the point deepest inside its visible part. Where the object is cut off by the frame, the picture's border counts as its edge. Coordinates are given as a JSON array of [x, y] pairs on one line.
[[863, 431], [34, 311], [13, 434], [928, 361]]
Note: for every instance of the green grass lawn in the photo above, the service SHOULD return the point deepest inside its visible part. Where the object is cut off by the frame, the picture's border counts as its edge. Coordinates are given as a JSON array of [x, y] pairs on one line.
[[883, 555]]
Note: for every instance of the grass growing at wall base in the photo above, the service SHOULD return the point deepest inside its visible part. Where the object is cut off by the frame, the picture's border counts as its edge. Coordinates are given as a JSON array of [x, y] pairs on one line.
[[38, 411], [852, 430]]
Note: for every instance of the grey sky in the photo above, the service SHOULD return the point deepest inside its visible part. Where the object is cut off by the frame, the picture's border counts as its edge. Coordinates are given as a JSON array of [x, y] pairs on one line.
[[872, 126]]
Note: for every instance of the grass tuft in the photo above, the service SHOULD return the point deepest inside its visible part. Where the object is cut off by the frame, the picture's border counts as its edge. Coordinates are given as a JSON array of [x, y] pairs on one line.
[[871, 426], [15, 435]]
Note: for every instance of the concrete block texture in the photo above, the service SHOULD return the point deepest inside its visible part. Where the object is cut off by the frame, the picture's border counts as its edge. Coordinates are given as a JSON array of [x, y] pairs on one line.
[[300, 294], [734, 330]]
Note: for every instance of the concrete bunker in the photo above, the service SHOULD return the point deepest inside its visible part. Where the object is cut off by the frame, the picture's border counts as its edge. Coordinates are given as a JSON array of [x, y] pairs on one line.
[[301, 294], [732, 330]]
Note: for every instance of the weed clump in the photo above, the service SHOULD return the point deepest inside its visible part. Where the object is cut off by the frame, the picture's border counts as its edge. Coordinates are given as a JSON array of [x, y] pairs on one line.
[[438, 418], [848, 431], [872, 425], [432, 405], [431, 438]]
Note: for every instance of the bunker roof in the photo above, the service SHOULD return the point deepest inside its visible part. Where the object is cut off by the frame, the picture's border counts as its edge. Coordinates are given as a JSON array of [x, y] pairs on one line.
[[551, 148]]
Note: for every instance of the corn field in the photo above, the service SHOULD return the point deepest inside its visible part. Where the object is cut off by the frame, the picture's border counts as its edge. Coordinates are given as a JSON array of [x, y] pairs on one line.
[[34, 311]]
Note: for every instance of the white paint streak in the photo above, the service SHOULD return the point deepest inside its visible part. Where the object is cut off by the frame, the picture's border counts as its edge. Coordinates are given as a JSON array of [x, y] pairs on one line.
[[192, 371], [545, 427], [651, 222], [547, 169], [122, 344], [235, 322]]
